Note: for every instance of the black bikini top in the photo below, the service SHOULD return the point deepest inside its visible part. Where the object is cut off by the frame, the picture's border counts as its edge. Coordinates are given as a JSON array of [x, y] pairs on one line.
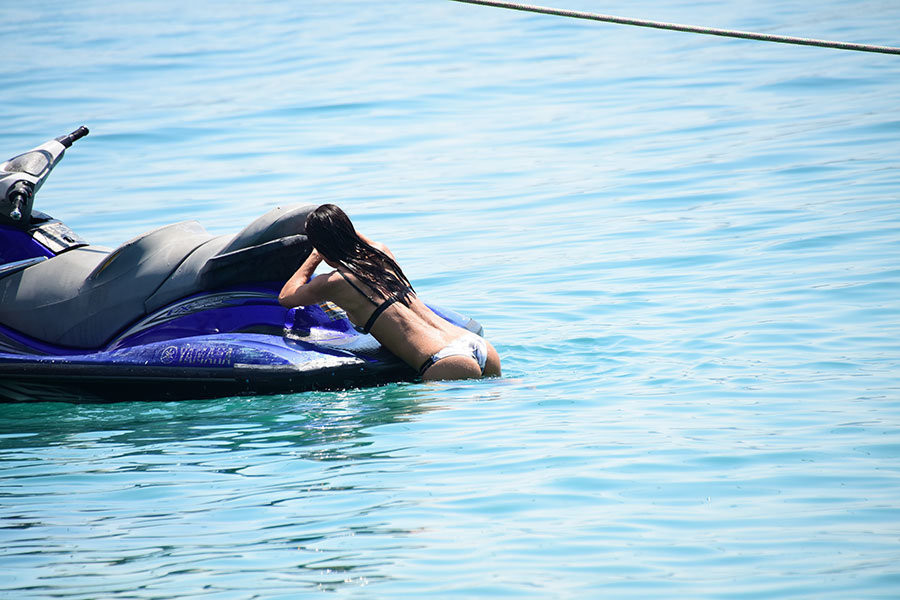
[[379, 308]]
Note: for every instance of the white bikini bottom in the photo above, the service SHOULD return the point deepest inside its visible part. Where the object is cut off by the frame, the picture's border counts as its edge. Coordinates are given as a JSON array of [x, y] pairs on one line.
[[469, 345]]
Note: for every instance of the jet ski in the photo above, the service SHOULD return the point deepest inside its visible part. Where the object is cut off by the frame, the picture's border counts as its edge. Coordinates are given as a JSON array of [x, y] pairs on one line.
[[175, 313]]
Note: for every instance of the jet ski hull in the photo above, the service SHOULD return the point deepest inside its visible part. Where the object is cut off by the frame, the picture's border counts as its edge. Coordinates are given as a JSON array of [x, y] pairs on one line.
[[265, 349], [193, 368]]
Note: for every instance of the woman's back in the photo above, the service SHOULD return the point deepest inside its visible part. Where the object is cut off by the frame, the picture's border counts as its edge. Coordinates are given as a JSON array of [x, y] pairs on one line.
[[413, 333]]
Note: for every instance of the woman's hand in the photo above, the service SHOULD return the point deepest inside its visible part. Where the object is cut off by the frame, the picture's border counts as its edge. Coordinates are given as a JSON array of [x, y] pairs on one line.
[[376, 245], [314, 257]]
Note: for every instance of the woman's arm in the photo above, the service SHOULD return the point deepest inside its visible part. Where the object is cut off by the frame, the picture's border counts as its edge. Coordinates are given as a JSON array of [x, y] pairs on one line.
[[299, 290]]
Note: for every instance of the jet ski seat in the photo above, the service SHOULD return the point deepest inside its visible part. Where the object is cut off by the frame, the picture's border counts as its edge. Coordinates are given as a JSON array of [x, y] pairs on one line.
[[270, 248], [84, 296], [81, 297]]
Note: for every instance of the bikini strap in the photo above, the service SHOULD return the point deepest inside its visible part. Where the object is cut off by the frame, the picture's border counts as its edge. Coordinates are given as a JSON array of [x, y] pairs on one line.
[[377, 313], [379, 308], [356, 287], [427, 364]]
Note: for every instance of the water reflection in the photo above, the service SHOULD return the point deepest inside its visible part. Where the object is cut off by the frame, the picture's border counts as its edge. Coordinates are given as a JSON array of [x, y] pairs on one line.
[[201, 492], [296, 419]]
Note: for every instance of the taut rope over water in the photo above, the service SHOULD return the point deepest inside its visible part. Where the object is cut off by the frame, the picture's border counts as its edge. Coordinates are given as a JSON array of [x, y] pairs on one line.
[[749, 35]]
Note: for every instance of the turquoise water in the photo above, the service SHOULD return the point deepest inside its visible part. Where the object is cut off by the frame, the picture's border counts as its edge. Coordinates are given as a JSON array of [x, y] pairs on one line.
[[686, 250]]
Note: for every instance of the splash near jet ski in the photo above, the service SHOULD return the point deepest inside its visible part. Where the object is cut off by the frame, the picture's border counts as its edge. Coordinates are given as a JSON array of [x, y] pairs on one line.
[[176, 313]]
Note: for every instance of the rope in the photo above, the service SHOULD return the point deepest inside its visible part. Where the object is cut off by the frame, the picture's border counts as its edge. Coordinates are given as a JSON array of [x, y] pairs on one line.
[[749, 35]]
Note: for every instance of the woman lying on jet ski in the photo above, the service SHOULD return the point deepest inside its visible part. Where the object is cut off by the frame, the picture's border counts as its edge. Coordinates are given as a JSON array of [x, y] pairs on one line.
[[371, 288]]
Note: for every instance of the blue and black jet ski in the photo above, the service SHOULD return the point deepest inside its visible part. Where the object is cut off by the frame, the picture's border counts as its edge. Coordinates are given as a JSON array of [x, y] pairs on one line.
[[176, 313]]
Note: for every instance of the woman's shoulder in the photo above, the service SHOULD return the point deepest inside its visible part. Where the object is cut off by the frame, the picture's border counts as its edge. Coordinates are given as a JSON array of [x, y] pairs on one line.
[[382, 248]]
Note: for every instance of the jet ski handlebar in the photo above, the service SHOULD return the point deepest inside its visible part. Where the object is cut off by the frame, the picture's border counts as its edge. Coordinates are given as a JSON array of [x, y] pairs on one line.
[[68, 140], [22, 176]]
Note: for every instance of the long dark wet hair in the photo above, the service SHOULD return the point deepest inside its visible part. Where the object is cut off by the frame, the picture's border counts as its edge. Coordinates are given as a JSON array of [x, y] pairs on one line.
[[330, 231]]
